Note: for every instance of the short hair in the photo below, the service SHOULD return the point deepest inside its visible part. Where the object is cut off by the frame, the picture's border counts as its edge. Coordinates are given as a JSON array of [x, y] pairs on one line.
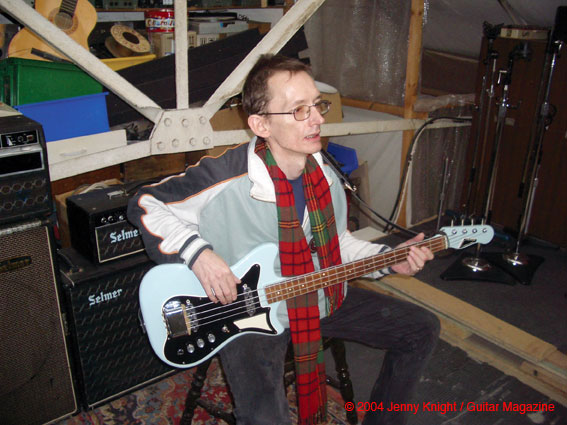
[[255, 93]]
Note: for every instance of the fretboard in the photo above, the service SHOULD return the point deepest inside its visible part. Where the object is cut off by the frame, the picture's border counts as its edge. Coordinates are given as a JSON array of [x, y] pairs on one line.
[[68, 6], [310, 282]]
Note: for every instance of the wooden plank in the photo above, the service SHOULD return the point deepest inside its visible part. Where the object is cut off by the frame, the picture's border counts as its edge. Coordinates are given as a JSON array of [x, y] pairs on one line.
[[483, 336], [411, 88], [480, 322], [373, 106]]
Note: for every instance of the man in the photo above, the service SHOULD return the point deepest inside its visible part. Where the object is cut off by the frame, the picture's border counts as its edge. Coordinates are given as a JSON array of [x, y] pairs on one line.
[[276, 189]]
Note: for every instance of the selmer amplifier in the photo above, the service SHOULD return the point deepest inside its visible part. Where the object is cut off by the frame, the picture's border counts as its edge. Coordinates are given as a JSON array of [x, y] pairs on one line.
[[98, 225], [25, 190]]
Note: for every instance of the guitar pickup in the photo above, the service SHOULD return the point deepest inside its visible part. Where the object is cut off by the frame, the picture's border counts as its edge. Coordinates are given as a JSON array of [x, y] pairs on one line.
[[176, 319]]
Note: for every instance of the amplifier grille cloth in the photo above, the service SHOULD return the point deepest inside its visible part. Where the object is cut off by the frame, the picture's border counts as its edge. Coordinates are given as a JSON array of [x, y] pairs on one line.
[[35, 380], [114, 352], [21, 195]]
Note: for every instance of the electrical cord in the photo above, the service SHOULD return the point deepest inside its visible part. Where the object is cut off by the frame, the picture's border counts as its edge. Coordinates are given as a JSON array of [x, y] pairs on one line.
[[409, 160], [347, 184]]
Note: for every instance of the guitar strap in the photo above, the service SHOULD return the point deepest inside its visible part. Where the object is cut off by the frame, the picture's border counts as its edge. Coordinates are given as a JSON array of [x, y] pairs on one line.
[[295, 258]]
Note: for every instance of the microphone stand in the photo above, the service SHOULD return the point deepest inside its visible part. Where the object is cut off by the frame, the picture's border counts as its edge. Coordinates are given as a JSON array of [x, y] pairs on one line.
[[520, 265], [491, 32], [477, 267]]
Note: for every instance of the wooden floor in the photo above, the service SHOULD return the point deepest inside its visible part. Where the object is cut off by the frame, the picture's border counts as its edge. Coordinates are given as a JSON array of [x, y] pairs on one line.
[[485, 370]]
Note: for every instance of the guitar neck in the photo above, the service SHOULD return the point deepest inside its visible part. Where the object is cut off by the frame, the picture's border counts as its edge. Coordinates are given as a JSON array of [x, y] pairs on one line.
[[304, 284], [68, 6]]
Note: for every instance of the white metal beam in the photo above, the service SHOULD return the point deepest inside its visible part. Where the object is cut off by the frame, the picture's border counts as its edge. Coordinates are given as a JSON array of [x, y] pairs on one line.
[[272, 42]]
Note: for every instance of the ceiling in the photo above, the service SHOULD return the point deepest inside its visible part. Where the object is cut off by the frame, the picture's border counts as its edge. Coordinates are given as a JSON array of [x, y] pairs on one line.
[[456, 26]]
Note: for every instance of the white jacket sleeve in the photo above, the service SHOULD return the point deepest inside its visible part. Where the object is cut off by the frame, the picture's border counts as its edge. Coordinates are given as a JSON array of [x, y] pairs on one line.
[[353, 249]]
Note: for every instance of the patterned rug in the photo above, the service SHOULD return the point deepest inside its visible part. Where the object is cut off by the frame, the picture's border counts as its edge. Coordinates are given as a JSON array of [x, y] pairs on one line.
[[162, 403]]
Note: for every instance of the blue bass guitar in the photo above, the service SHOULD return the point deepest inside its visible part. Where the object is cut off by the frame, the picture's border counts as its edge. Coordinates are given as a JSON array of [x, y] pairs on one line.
[[185, 327]]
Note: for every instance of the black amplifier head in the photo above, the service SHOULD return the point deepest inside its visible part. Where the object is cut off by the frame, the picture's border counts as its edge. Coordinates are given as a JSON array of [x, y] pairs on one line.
[[25, 189], [98, 225]]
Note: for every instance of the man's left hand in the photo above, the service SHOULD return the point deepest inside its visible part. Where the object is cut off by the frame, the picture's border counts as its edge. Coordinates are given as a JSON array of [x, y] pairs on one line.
[[416, 259]]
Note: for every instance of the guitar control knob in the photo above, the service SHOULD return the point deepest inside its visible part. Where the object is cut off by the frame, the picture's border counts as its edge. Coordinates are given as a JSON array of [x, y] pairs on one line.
[[211, 338], [200, 343], [225, 329], [190, 348], [180, 352]]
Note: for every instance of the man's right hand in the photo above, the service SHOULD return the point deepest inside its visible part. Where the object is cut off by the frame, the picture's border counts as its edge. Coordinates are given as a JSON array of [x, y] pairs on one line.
[[216, 277]]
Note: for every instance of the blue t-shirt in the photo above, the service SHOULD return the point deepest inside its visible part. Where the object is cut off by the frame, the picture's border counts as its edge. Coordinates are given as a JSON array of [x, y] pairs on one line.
[[299, 196]]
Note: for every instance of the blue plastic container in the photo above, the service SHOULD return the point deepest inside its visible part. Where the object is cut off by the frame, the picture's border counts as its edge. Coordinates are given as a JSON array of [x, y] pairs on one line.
[[346, 157], [70, 117]]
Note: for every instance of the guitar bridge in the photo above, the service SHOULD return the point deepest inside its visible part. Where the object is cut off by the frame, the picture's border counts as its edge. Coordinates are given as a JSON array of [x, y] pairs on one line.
[[180, 319]]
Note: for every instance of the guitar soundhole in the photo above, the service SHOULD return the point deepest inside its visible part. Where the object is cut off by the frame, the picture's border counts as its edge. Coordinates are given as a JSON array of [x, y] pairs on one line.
[[63, 21]]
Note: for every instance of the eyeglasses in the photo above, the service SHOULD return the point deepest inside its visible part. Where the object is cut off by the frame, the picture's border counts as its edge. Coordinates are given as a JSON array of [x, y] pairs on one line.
[[302, 112]]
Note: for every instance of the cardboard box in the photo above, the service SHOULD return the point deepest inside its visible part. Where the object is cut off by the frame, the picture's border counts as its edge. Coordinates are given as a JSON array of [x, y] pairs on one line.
[[207, 38], [335, 114], [263, 27], [218, 27], [154, 166], [163, 43]]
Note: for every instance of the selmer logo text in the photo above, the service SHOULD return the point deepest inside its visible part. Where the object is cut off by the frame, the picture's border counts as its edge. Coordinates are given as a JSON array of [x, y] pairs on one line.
[[104, 297], [123, 235]]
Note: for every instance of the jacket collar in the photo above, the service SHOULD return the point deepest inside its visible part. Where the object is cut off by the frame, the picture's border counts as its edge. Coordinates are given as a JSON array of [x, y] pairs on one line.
[[262, 187]]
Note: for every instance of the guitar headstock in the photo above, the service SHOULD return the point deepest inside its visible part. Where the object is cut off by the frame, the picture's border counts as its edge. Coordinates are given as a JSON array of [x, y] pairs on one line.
[[460, 237]]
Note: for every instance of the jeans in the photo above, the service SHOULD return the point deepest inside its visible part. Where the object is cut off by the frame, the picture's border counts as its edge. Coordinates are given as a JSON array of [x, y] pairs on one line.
[[254, 364]]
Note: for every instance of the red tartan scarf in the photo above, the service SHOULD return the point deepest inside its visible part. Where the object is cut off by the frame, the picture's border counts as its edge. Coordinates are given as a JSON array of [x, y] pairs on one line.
[[295, 258]]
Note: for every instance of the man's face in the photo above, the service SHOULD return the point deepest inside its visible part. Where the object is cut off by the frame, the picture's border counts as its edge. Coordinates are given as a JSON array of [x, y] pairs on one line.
[[289, 138]]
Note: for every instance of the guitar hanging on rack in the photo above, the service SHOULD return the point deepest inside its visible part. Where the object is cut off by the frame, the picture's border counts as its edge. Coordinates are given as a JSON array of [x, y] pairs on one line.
[[185, 328], [76, 18]]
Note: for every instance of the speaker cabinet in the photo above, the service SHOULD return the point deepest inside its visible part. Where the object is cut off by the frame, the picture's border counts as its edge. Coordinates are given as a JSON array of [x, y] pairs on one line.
[[36, 385], [112, 351]]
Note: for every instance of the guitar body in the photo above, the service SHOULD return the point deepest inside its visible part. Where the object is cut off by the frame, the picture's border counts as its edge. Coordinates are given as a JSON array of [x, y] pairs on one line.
[[77, 24], [172, 300]]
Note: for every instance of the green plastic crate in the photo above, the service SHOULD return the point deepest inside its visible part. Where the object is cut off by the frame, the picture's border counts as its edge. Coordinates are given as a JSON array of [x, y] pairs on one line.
[[26, 81]]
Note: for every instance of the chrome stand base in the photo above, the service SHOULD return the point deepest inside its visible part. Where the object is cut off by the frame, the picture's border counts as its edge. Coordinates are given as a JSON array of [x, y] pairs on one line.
[[477, 264], [516, 259], [477, 268], [521, 266]]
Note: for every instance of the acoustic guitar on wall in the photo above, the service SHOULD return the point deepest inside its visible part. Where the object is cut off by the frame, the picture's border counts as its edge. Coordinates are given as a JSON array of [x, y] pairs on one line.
[[76, 18]]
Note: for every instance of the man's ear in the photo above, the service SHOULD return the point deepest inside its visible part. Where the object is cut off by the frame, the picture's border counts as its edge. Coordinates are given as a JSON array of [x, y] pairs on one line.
[[259, 125]]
